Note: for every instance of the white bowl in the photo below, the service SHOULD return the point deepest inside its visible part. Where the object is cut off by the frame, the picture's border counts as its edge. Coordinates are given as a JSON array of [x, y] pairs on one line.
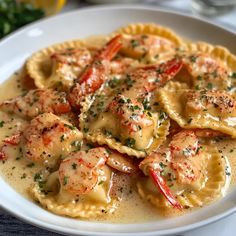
[[102, 20]]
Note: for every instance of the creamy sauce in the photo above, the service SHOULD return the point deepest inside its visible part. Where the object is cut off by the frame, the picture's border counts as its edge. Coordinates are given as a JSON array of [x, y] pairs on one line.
[[19, 173]]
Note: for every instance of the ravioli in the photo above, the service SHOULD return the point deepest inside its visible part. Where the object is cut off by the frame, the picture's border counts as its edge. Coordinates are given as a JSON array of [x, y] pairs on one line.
[[53, 197], [191, 109], [140, 92], [57, 66], [149, 43], [210, 186], [123, 123], [206, 66], [48, 139]]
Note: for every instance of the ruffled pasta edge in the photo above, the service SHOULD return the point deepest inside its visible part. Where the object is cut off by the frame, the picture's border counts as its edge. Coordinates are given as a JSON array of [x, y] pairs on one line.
[[41, 57], [219, 52], [101, 139], [150, 28], [75, 210], [211, 192]]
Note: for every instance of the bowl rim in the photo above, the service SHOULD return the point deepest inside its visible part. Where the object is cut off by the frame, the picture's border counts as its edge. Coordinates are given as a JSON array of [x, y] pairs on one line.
[[62, 229]]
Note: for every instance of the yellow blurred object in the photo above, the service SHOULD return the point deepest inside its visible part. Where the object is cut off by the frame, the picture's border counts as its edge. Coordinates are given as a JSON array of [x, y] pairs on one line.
[[50, 6]]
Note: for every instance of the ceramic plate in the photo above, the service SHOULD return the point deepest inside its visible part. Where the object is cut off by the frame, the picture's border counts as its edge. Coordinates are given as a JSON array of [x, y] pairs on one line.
[[102, 20]]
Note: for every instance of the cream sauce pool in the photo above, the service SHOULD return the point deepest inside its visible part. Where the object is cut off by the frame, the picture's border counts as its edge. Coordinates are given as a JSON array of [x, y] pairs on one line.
[[19, 173]]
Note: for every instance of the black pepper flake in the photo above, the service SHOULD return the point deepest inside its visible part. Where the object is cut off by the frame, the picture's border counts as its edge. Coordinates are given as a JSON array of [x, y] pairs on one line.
[[130, 142], [233, 75], [23, 176], [74, 166], [30, 165]]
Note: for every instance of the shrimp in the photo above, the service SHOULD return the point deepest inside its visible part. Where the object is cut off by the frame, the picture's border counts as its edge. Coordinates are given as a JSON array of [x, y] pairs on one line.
[[121, 162], [143, 80], [130, 112], [200, 133], [95, 74], [48, 139], [67, 65], [78, 174], [178, 162], [9, 141], [122, 65], [128, 105], [149, 47], [204, 72], [217, 103], [36, 102]]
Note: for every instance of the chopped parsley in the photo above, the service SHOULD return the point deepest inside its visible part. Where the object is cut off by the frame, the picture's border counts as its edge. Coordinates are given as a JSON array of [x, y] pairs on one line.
[[233, 75], [214, 74], [76, 144], [23, 176], [2, 123], [130, 142], [134, 43], [199, 77], [30, 165], [113, 82], [62, 138], [209, 85], [107, 133], [70, 126], [189, 120], [193, 58], [162, 165], [146, 104], [86, 130], [65, 180], [37, 177], [128, 81], [74, 166]]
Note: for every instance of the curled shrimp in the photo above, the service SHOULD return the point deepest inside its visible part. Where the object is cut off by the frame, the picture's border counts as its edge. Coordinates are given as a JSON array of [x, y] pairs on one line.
[[48, 139], [205, 71], [122, 65], [178, 161], [148, 47], [78, 174], [130, 112], [67, 65], [143, 80], [36, 102], [95, 74], [121, 162], [217, 103], [9, 141], [200, 133]]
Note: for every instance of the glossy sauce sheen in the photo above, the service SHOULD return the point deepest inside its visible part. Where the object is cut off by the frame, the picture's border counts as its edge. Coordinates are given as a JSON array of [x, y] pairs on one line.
[[19, 173]]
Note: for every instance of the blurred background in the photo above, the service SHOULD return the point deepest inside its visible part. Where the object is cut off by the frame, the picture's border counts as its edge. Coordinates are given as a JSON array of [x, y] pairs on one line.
[[17, 13]]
